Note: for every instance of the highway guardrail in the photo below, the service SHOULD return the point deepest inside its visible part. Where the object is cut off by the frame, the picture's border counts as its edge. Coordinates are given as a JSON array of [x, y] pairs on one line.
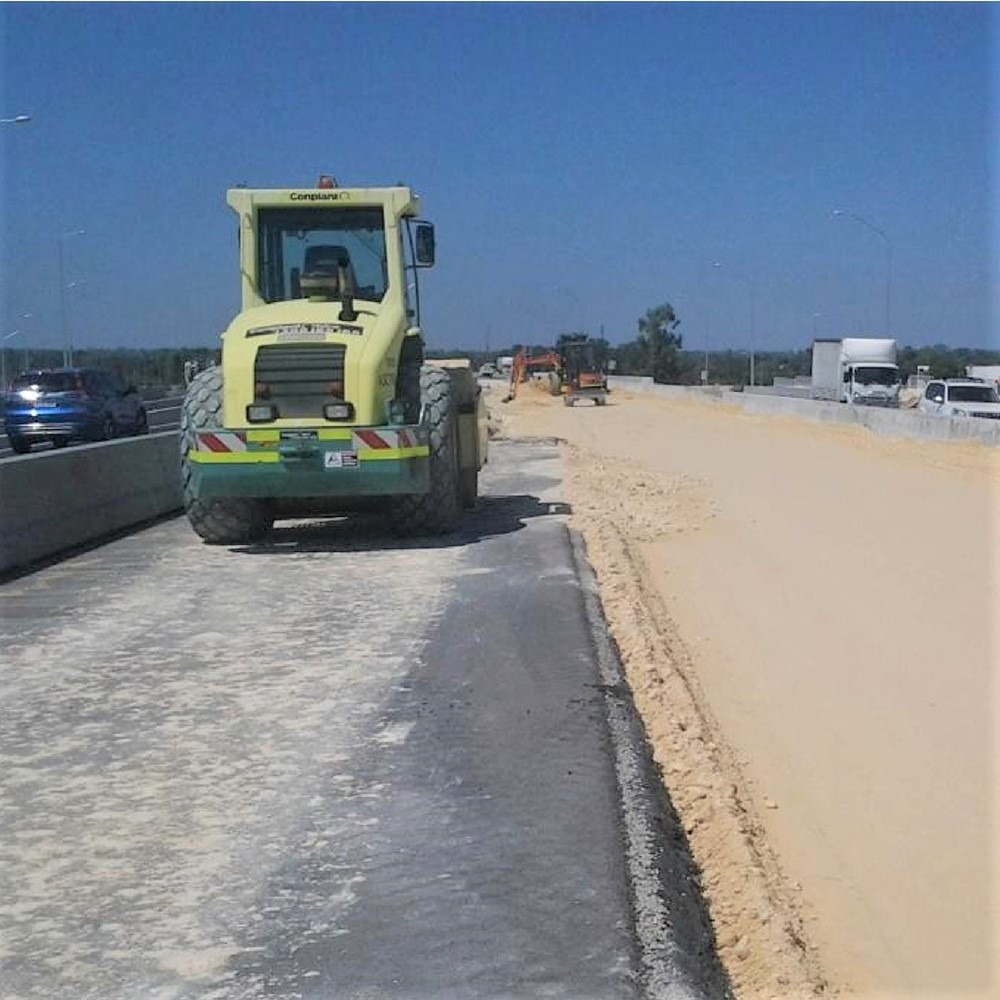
[[906, 423], [56, 500]]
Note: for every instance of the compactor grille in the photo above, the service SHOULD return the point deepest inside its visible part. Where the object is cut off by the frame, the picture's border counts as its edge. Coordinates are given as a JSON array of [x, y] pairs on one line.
[[301, 377]]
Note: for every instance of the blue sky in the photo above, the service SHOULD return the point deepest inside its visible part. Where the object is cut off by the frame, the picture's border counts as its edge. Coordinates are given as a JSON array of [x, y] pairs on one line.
[[581, 162]]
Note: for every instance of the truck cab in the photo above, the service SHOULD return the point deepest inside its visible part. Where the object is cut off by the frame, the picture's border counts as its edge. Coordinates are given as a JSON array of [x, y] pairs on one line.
[[858, 370], [871, 384]]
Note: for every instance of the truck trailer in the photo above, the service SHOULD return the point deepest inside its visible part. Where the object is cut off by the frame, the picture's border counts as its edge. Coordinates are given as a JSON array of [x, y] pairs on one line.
[[859, 370]]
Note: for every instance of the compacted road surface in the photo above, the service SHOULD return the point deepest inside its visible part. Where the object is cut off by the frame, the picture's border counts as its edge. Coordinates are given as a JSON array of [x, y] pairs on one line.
[[329, 765]]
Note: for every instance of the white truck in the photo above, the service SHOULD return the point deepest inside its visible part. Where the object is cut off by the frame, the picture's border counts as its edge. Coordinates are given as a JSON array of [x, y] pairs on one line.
[[988, 373], [860, 370]]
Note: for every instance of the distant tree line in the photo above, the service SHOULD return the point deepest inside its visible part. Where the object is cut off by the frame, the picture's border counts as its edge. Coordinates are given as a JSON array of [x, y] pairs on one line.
[[656, 351]]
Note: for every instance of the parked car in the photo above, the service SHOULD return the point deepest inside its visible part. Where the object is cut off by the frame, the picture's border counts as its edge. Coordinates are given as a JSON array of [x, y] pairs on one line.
[[960, 397], [489, 371], [70, 404]]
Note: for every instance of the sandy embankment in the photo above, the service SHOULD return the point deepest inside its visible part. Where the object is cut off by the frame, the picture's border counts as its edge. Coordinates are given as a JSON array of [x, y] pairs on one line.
[[807, 617]]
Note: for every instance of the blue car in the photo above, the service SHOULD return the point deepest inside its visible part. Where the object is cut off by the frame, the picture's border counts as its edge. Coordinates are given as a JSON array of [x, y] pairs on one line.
[[70, 404]]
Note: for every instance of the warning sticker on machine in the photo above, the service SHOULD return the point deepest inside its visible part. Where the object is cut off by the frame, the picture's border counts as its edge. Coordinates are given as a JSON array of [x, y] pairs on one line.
[[340, 460]]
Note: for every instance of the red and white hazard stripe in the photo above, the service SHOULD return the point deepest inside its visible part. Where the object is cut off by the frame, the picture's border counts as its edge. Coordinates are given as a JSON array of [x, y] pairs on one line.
[[362, 439], [376, 440], [220, 441], [379, 440]]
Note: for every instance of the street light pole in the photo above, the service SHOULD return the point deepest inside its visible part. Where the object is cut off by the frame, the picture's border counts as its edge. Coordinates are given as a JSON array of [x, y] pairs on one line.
[[3, 352], [704, 375], [67, 340], [62, 306], [839, 213], [3, 359]]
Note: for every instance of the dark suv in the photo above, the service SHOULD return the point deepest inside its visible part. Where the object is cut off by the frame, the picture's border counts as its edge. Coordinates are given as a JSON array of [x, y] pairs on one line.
[[70, 404]]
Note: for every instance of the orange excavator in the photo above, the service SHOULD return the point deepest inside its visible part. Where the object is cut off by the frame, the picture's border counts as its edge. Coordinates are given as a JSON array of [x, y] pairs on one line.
[[573, 368], [525, 364]]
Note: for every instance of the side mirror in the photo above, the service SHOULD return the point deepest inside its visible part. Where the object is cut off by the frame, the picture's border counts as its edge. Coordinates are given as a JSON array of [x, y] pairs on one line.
[[425, 244], [937, 399]]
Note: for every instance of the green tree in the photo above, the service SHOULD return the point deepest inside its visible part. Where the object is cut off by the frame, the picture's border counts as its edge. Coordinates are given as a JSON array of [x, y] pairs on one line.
[[658, 335]]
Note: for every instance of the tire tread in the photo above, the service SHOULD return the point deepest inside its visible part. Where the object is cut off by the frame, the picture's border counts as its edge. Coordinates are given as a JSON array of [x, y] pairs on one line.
[[218, 521], [439, 510]]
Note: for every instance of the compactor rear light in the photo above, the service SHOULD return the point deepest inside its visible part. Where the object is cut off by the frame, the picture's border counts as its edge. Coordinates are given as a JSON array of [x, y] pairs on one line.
[[338, 411], [261, 413]]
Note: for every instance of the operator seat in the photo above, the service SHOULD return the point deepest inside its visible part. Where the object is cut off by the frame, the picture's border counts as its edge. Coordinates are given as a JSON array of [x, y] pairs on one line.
[[322, 270]]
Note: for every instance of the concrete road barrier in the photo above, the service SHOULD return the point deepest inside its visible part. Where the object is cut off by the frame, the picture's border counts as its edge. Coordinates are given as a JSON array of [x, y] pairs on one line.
[[56, 500], [887, 422]]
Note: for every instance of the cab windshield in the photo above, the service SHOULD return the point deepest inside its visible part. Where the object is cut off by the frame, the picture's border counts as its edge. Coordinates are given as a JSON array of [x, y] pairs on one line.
[[310, 252], [866, 375], [972, 394]]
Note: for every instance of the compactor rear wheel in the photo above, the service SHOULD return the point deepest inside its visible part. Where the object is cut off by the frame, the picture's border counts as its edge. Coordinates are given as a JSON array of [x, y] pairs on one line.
[[219, 521], [439, 510]]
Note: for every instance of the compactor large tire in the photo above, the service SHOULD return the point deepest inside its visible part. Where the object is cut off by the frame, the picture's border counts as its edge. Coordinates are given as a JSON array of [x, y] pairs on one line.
[[439, 510], [218, 521]]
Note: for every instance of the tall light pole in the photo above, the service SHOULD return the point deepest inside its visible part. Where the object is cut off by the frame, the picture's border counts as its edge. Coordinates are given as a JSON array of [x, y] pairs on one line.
[[839, 213], [3, 353], [704, 372], [3, 358], [67, 340]]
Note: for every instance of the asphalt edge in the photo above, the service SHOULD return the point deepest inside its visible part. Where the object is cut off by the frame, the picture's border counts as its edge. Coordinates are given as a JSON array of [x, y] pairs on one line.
[[676, 943]]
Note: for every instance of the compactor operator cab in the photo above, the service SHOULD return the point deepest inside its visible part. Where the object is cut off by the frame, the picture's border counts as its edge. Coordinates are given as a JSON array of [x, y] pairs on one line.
[[327, 273], [333, 244]]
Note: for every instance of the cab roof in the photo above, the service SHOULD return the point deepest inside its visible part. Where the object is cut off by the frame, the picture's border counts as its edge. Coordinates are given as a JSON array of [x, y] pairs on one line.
[[400, 200]]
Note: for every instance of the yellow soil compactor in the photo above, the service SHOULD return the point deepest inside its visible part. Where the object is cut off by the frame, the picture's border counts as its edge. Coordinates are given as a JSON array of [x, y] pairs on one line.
[[323, 402]]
